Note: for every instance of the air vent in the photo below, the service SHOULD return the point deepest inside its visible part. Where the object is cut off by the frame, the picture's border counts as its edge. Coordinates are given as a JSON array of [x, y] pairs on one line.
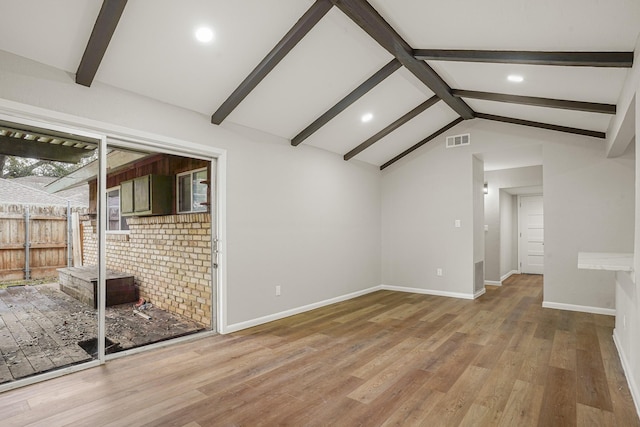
[[458, 140]]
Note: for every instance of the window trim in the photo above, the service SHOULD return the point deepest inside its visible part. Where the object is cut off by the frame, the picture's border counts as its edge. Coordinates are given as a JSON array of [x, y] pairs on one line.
[[189, 172], [119, 230]]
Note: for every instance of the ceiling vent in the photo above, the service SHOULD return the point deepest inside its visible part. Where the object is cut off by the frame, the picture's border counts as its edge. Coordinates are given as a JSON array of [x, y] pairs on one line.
[[458, 140]]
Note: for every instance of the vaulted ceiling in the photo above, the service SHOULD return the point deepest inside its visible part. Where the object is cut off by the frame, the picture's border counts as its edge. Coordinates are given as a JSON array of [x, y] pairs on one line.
[[308, 71]]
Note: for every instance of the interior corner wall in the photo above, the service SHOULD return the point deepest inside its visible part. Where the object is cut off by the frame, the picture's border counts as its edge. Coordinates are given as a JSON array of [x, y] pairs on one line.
[[478, 209], [588, 202], [422, 197], [494, 205], [508, 234], [627, 328], [589, 206], [299, 218], [478, 225]]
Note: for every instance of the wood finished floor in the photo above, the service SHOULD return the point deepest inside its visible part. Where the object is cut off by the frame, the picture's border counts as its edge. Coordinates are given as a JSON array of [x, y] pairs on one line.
[[387, 358]]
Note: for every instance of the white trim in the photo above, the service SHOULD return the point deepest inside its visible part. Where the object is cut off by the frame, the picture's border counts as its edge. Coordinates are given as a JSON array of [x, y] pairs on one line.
[[190, 173], [101, 199], [580, 308], [221, 231], [628, 373], [502, 279], [119, 230], [428, 292], [281, 315], [509, 274], [480, 293]]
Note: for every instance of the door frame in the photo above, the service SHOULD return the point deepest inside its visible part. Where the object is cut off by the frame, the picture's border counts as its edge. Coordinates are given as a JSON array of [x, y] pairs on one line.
[[520, 196], [103, 132]]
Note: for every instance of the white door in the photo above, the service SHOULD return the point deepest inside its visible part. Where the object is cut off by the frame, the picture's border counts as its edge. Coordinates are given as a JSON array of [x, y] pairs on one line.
[[531, 234]]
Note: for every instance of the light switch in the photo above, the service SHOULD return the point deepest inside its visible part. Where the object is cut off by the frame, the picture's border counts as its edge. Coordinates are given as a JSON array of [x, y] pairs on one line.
[[457, 223], [486, 227]]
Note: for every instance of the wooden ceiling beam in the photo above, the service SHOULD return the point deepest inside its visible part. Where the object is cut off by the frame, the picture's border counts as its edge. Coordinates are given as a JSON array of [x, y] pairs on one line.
[[571, 59], [103, 30], [421, 143], [393, 126], [284, 46], [539, 125], [356, 94], [591, 107], [41, 150], [363, 14]]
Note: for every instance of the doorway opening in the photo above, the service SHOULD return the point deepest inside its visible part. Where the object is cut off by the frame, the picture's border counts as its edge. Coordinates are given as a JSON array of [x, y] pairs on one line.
[[508, 177], [124, 258]]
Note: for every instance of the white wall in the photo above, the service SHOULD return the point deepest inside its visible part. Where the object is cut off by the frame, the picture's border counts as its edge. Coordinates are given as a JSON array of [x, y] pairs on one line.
[[423, 195], [588, 207], [493, 206], [589, 204], [301, 218], [627, 328]]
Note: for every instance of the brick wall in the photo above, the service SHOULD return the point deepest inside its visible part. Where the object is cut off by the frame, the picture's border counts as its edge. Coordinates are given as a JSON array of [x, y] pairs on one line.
[[170, 257]]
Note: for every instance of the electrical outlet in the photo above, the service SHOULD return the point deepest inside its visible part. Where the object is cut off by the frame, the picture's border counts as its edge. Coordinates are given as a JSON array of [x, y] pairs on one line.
[[278, 290], [439, 272]]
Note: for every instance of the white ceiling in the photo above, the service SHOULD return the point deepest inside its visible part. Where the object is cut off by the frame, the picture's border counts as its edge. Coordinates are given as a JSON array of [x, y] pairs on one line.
[[153, 53]]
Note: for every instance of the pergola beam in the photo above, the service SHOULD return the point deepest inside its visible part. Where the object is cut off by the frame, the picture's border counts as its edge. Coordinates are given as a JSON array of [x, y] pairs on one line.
[[33, 149], [572, 59], [591, 107], [284, 46], [343, 104], [103, 30]]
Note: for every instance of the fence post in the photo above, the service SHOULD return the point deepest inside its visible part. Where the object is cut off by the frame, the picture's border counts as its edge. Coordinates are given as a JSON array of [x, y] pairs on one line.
[[27, 245], [69, 238]]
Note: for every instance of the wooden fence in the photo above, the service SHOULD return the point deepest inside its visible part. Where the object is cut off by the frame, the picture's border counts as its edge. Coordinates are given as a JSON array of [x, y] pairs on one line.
[[34, 240]]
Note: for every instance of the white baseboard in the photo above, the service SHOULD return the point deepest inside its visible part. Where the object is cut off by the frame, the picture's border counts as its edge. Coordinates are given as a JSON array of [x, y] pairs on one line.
[[281, 315], [626, 367], [502, 279], [582, 308], [509, 274], [479, 293], [428, 292]]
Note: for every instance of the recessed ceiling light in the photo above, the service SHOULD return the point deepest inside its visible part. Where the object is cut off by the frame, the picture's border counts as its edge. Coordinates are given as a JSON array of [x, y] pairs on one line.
[[515, 78], [204, 34], [366, 117]]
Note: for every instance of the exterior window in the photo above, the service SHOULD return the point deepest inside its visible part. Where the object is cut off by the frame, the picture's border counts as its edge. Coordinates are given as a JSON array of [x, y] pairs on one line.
[[192, 191], [114, 221]]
